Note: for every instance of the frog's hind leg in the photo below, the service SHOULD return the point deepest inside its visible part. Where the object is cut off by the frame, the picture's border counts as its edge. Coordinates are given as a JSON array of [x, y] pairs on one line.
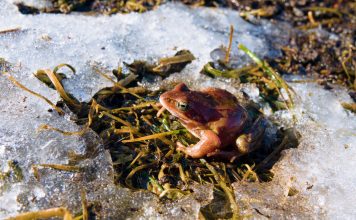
[[251, 138]]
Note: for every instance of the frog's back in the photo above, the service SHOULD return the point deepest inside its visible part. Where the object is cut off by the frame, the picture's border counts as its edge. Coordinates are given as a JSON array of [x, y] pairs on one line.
[[222, 98]]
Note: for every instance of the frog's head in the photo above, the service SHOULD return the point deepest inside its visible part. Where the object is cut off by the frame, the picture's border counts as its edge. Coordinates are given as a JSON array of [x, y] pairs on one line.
[[181, 104]]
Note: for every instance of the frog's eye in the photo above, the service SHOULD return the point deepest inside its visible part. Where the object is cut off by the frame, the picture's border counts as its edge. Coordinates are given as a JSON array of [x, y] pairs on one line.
[[182, 106]]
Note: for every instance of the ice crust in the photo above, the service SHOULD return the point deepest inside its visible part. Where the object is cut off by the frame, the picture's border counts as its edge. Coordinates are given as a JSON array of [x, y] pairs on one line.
[[324, 159], [321, 169]]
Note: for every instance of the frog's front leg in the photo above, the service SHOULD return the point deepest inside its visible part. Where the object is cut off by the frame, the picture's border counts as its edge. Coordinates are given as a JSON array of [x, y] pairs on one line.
[[251, 139], [209, 142]]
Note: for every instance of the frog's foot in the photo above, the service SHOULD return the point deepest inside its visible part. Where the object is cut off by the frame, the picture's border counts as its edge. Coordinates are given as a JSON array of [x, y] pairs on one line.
[[193, 151], [251, 139], [181, 147], [226, 155]]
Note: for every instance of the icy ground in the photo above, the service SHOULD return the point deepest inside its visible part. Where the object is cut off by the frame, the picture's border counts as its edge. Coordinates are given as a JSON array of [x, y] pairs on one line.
[[320, 170]]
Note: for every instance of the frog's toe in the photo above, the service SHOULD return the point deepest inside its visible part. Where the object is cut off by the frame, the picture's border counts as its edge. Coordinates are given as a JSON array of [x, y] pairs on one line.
[[243, 144], [225, 155], [252, 138], [181, 147], [214, 153], [247, 143]]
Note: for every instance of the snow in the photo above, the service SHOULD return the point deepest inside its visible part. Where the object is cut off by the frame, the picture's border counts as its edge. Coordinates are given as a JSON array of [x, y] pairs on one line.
[[320, 169], [324, 158], [47, 40]]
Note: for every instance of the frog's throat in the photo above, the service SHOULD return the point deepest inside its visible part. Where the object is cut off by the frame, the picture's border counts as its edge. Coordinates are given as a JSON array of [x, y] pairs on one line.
[[187, 123]]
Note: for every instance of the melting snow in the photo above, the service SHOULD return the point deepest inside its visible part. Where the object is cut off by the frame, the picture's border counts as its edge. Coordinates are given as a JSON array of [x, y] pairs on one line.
[[321, 169]]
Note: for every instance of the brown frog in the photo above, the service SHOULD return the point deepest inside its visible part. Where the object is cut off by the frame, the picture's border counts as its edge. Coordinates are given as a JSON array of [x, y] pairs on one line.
[[215, 116]]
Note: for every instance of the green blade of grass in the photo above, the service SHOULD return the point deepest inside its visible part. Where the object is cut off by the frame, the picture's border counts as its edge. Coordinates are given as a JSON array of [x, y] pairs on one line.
[[276, 78]]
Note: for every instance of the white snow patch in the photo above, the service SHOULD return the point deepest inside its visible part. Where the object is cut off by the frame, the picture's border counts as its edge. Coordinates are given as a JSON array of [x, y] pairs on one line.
[[321, 169], [325, 157]]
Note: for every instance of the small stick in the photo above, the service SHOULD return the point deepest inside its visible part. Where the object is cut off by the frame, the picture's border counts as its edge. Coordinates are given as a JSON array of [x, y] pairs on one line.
[[153, 136], [311, 18], [10, 30], [227, 56], [159, 113]]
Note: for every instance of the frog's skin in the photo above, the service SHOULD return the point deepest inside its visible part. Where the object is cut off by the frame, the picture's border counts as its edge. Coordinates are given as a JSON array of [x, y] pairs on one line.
[[215, 117]]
